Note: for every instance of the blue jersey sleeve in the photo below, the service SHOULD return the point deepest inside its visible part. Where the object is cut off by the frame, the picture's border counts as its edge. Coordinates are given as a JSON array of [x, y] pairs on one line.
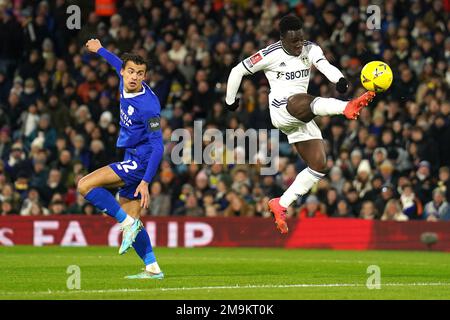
[[155, 159], [112, 59], [153, 129]]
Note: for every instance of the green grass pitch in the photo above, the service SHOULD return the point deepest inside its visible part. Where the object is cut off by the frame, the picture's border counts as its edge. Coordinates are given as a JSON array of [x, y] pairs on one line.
[[223, 273]]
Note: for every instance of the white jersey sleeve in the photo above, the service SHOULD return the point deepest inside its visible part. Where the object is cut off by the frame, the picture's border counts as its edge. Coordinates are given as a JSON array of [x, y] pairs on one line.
[[321, 63], [257, 62]]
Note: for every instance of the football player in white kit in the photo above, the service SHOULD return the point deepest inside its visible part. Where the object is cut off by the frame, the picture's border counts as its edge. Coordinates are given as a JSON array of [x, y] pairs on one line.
[[287, 64]]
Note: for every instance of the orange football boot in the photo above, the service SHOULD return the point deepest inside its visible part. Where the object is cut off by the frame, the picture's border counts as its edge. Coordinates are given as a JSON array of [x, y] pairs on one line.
[[279, 212], [354, 106]]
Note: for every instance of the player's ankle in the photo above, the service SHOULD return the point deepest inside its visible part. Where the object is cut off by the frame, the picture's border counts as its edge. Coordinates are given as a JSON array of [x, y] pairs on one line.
[[284, 202], [153, 268], [128, 221]]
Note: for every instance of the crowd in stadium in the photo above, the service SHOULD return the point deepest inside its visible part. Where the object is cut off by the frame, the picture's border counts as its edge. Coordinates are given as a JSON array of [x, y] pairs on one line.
[[59, 105]]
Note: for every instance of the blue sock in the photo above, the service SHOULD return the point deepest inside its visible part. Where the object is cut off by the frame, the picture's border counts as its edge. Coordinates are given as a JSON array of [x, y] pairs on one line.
[[105, 202], [143, 247]]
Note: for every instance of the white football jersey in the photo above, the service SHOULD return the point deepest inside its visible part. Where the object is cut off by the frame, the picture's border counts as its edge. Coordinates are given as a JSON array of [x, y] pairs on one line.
[[287, 74]]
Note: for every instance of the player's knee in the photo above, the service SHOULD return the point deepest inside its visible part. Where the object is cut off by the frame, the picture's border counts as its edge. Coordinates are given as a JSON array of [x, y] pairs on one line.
[[319, 166], [83, 186], [296, 100], [300, 99], [298, 106]]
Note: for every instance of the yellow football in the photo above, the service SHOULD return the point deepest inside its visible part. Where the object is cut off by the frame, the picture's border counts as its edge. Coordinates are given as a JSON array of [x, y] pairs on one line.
[[376, 76]]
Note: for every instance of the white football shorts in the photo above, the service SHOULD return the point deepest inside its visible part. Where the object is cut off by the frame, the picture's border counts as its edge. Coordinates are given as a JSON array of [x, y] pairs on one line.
[[294, 129]]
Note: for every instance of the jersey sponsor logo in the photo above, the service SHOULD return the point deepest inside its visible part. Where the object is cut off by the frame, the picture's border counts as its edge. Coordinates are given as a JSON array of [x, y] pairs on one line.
[[130, 110], [154, 124], [297, 74], [125, 119]]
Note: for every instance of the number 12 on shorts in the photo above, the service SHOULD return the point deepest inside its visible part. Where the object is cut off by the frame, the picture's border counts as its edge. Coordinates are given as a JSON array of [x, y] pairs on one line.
[[127, 165]]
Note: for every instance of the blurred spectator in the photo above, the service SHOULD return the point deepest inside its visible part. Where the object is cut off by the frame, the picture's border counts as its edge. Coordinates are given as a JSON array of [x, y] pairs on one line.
[[159, 201], [343, 210], [363, 175], [368, 211], [393, 212], [444, 181], [311, 209], [17, 161], [11, 197], [53, 186], [57, 207], [44, 135], [98, 155], [387, 194], [5, 143], [423, 184], [190, 208], [6, 208], [438, 208], [412, 207], [31, 198], [37, 210], [77, 207], [88, 209], [237, 207], [331, 201]]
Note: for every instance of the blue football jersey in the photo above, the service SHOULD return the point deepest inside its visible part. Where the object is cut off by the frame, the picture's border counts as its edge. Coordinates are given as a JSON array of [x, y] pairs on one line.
[[139, 117]]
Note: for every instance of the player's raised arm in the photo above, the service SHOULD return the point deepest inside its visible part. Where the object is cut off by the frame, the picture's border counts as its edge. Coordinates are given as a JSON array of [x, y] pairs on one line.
[[331, 72], [95, 46], [249, 66]]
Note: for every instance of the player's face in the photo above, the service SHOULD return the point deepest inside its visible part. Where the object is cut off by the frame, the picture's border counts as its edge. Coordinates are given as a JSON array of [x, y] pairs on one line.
[[133, 75], [293, 42]]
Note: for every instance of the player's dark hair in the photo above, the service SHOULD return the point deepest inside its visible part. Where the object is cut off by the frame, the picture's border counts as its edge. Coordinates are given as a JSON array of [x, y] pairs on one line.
[[289, 23], [137, 59]]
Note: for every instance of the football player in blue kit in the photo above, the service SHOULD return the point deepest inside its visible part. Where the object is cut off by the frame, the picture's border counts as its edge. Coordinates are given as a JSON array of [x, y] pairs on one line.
[[140, 135]]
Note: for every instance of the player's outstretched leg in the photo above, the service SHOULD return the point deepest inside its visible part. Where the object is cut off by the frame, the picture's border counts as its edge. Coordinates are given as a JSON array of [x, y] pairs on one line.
[[313, 153], [92, 188], [305, 107], [142, 245]]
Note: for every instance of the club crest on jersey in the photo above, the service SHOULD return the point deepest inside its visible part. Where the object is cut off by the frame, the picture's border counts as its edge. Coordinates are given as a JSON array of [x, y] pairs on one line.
[[305, 60], [130, 110]]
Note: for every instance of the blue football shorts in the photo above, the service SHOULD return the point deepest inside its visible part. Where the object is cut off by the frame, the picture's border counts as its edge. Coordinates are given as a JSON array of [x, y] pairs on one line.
[[131, 170]]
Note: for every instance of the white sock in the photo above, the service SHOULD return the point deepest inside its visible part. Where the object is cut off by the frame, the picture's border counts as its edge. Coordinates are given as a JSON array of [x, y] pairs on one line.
[[153, 268], [128, 221], [301, 185], [327, 106]]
